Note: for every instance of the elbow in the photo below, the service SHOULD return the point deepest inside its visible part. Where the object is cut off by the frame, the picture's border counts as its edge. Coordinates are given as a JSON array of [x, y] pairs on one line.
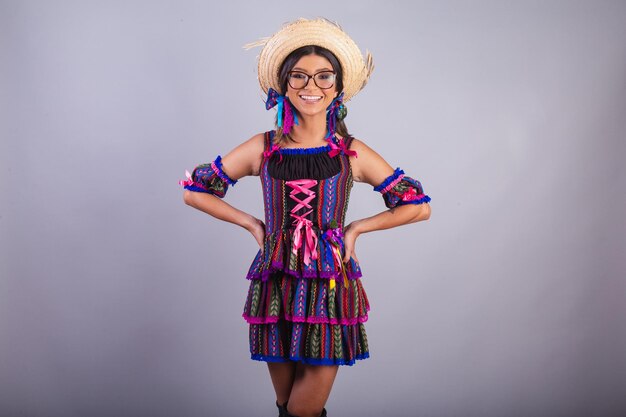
[[426, 211], [188, 197], [423, 212]]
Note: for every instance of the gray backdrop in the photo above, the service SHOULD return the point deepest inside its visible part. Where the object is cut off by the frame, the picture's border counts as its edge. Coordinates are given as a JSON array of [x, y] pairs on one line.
[[116, 299]]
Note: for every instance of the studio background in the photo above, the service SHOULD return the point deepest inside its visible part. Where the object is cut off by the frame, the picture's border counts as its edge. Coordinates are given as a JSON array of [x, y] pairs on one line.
[[116, 299]]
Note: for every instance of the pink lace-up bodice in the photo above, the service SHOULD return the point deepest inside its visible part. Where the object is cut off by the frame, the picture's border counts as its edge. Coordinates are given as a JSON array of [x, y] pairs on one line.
[[305, 192]]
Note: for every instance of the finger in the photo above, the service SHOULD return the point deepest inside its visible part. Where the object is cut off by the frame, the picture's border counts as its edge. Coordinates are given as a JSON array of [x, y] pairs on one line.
[[260, 242]]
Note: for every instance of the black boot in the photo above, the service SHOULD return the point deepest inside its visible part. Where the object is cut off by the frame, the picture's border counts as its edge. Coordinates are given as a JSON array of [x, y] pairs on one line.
[[282, 410], [291, 415]]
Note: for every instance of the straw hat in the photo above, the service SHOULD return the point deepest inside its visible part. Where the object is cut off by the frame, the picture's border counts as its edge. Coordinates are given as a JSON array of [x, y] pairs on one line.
[[320, 32]]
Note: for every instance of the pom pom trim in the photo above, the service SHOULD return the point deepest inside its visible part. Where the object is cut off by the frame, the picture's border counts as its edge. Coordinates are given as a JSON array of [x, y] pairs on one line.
[[310, 361], [217, 167], [311, 320], [304, 151], [264, 274], [199, 188], [390, 181]]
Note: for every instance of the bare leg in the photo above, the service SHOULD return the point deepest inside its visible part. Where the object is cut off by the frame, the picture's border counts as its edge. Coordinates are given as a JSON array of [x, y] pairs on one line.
[[282, 375], [311, 389]]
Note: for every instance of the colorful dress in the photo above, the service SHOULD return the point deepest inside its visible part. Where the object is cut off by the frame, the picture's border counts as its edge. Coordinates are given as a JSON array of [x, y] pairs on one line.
[[303, 303]]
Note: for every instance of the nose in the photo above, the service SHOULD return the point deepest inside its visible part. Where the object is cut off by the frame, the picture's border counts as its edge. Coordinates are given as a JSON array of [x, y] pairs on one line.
[[310, 80]]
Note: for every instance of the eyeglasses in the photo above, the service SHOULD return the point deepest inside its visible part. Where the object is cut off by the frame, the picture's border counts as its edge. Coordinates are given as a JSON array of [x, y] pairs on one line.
[[322, 79]]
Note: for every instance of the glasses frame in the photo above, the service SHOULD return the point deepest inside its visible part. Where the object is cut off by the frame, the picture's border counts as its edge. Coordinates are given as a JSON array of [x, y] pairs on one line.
[[309, 77]]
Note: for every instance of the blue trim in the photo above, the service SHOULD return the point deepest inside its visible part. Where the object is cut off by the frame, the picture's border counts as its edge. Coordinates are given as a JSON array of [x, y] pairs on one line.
[[304, 151], [309, 361], [196, 188], [221, 173], [389, 179]]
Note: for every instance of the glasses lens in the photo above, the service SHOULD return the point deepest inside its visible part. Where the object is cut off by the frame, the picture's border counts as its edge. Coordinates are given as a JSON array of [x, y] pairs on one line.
[[297, 79], [325, 79]]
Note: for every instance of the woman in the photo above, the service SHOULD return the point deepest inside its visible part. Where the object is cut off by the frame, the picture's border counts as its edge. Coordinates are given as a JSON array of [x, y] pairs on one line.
[[306, 304]]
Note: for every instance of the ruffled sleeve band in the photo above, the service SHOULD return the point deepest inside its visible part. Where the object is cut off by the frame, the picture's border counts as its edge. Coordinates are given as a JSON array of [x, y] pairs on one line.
[[209, 178], [399, 189]]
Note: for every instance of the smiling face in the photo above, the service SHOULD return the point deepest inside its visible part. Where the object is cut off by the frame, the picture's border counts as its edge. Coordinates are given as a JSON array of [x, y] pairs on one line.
[[311, 100]]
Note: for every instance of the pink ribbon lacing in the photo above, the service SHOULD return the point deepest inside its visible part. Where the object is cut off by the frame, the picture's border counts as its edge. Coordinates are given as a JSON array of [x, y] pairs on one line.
[[310, 238]]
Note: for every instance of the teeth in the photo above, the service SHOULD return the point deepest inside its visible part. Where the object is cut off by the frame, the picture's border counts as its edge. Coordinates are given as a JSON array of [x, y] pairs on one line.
[[311, 97]]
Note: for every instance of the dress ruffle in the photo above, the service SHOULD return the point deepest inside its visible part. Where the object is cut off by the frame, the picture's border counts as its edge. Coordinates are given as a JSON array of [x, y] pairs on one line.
[[299, 319], [278, 255], [313, 344]]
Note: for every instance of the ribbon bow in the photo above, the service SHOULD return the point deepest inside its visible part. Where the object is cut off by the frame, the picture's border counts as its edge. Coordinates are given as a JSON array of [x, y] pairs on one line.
[[188, 181], [334, 236], [411, 195], [290, 118], [340, 147], [310, 244], [270, 151]]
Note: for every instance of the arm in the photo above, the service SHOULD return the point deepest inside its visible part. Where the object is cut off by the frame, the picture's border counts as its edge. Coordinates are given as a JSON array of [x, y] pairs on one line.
[[244, 160], [371, 168]]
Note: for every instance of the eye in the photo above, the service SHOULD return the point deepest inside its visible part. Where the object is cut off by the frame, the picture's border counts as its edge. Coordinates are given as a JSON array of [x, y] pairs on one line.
[[324, 76], [297, 76]]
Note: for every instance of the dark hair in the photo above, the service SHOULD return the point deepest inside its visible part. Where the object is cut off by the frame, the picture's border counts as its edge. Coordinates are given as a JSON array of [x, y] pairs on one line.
[[288, 65]]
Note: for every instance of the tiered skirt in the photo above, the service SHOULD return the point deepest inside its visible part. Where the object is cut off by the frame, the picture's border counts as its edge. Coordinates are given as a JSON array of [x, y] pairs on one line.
[[306, 319]]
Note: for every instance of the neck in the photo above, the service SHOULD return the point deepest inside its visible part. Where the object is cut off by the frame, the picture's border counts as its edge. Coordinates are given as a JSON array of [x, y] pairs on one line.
[[310, 130]]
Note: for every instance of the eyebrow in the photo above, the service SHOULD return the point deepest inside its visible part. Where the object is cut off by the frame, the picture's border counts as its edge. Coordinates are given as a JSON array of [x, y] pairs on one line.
[[317, 70]]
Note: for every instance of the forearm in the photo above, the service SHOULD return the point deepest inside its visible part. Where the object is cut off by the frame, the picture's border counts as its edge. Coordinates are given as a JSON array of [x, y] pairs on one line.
[[394, 217], [218, 208]]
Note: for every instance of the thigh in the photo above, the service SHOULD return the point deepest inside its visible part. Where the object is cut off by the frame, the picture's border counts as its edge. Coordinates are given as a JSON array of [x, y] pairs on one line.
[[311, 388], [282, 374]]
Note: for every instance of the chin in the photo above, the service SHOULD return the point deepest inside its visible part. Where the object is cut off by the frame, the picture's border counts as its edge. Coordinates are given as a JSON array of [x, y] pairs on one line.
[[311, 109]]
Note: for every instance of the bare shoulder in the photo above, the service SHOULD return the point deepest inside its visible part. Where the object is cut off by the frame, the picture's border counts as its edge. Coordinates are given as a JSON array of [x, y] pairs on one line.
[[245, 159], [368, 166], [361, 147]]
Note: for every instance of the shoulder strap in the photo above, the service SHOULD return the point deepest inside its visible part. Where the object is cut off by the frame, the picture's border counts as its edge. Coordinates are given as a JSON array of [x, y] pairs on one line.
[[348, 141], [269, 136]]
